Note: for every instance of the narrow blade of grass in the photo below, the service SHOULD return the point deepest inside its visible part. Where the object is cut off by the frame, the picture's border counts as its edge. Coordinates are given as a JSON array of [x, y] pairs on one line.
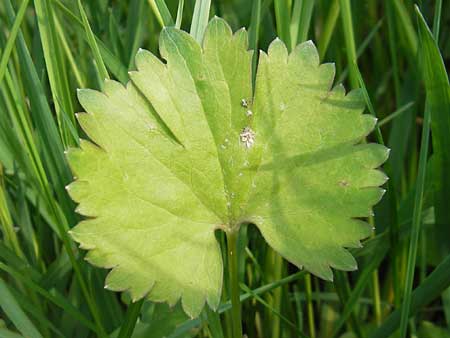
[[437, 89], [328, 28], [301, 21], [179, 18], [162, 13], [15, 313], [5, 333], [56, 69], [395, 114], [406, 25], [426, 292], [133, 311], [277, 313], [349, 37], [255, 23], [112, 61], [200, 19], [363, 279], [12, 38], [283, 20], [135, 23], [54, 297], [90, 38]]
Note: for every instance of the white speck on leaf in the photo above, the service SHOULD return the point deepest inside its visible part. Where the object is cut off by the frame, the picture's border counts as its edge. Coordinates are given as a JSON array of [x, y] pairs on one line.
[[247, 137], [244, 103], [249, 113]]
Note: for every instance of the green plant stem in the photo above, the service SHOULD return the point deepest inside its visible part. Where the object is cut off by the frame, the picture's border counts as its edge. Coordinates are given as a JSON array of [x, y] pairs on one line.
[[232, 236], [417, 221], [310, 310]]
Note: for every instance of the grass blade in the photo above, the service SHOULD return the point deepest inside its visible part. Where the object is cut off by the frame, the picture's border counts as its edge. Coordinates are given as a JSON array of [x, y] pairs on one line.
[[133, 312], [253, 38], [407, 26], [12, 38], [200, 19], [162, 13], [56, 69], [347, 25], [358, 289], [328, 28], [14, 312], [301, 21], [425, 293], [179, 18], [54, 297], [90, 38], [283, 20], [437, 89], [113, 63]]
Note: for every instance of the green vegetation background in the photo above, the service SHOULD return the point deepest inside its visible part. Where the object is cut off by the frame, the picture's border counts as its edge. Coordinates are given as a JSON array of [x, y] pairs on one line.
[[49, 48]]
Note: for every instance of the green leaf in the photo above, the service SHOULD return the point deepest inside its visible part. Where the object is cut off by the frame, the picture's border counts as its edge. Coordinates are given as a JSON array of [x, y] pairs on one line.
[[184, 150], [15, 313]]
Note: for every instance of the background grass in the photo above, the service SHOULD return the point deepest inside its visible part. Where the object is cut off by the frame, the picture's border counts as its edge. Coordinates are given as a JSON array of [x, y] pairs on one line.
[[49, 48]]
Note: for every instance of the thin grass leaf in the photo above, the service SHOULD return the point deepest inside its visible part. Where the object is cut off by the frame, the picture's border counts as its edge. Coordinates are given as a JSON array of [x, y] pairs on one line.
[[277, 313], [301, 21], [350, 49], [113, 62], [6, 223], [212, 319], [162, 13], [426, 292], [361, 49], [12, 38], [30, 309], [437, 89], [56, 70], [437, 19], [200, 19], [363, 279], [90, 38], [135, 22], [179, 18], [253, 35], [77, 72], [406, 26], [396, 113], [5, 333], [14, 312], [188, 325], [283, 20], [54, 297], [133, 312], [328, 28]]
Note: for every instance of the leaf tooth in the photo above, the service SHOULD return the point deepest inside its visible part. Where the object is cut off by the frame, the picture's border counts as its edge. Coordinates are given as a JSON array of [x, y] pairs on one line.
[[321, 270], [112, 87], [192, 304], [117, 279], [327, 73], [277, 51], [343, 260], [306, 53], [337, 92]]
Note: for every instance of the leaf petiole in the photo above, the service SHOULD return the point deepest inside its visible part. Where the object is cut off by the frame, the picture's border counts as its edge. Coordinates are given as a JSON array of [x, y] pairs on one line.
[[232, 237]]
